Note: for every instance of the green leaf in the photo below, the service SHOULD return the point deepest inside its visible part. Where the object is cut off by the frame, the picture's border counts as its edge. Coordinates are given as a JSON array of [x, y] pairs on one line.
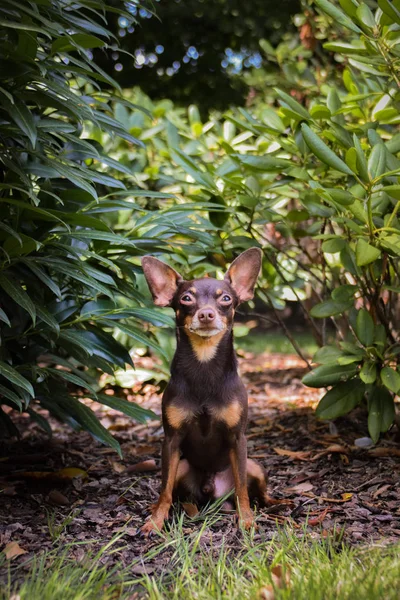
[[12, 396], [333, 245], [15, 291], [323, 152], [330, 308], [135, 334], [191, 167], [44, 315], [295, 106], [390, 379], [40, 274], [368, 372], [329, 375], [362, 166], [390, 10], [262, 163], [365, 253], [365, 327], [327, 355], [4, 318], [70, 377], [340, 400], [23, 117], [131, 409], [87, 419], [76, 41], [12, 375], [377, 160], [337, 15], [340, 196], [41, 421], [366, 17], [380, 412]]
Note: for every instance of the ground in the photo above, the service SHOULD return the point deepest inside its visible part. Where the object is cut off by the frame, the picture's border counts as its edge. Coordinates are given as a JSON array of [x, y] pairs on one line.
[[338, 484]]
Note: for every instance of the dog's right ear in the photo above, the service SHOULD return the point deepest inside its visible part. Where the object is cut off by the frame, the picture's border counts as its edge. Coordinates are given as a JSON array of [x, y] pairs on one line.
[[162, 280]]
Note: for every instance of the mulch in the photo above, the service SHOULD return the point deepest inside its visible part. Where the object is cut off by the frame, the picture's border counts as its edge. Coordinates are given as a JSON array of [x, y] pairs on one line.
[[335, 479]]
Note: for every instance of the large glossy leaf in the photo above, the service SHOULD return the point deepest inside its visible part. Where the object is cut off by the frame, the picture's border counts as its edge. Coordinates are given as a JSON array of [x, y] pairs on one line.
[[341, 399], [323, 152], [329, 375]]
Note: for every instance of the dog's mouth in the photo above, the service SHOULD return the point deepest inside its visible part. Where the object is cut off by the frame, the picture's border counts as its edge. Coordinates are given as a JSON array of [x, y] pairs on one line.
[[206, 332]]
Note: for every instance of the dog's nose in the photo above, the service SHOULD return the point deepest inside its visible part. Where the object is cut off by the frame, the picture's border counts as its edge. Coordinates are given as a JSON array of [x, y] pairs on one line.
[[206, 315]]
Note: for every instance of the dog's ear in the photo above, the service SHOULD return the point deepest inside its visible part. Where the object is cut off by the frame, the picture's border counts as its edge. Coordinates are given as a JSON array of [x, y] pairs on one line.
[[161, 279], [243, 273]]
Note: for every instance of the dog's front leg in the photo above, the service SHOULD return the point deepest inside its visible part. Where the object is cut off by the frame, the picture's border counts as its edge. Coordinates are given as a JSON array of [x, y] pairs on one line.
[[169, 466], [238, 459]]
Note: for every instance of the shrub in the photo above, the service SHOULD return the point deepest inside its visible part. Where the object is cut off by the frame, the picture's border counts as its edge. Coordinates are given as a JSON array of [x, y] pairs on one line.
[[315, 183], [66, 279]]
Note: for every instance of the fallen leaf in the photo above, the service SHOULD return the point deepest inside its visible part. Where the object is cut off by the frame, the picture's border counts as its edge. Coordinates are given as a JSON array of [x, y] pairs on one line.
[[145, 465], [56, 497], [117, 467], [384, 452], [332, 449], [318, 520], [306, 486], [345, 498], [295, 454], [280, 579], [66, 474], [12, 550], [381, 490], [190, 509]]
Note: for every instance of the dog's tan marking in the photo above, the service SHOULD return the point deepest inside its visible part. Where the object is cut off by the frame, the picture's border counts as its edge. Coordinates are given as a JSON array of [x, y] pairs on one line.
[[192, 290], [219, 292], [229, 414], [176, 415], [205, 348]]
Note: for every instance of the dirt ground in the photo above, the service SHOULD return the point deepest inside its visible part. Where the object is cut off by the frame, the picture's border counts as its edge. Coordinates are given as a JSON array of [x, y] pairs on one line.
[[328, 471]]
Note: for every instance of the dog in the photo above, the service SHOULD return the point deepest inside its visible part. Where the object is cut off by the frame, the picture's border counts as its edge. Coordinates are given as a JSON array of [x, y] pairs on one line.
[[204, 406]]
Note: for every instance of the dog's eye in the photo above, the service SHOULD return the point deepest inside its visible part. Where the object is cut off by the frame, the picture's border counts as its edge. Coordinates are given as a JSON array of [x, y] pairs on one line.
[[226, 298], [186, 299]]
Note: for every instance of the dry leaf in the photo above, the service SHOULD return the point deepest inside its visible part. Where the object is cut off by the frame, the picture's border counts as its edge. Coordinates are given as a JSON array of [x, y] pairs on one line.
[[318, 520], [190, 509], [345, 498], [56, 497], [332, 449], [296, 455], [117, 467], [66, 474], [384, 452], [280, 579], [145, 465], [12, 550], [306, 486]]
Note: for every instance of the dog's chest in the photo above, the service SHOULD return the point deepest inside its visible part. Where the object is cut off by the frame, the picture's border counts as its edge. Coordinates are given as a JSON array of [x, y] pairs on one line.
[[207, 418]]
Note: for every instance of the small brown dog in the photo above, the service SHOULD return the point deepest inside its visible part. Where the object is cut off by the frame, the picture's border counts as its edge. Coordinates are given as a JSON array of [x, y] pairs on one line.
[[204, 406]]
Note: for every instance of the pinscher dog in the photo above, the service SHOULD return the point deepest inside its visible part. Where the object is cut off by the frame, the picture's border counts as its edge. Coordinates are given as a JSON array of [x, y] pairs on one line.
[[204, 406]]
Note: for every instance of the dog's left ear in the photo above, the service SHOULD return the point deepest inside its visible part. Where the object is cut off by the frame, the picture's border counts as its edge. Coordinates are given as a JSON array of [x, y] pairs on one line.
[[162, 280], [243, 273]]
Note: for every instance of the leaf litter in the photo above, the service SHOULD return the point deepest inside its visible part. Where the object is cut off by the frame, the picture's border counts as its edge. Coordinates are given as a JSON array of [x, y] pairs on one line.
[[328, 480]]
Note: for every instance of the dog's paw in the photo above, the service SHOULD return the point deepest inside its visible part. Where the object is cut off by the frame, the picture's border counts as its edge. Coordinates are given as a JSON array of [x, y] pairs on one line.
[[246, 520], [151, 527]]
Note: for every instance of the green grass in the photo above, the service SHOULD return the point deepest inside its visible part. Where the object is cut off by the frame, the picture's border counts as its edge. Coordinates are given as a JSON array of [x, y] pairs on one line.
[[200, 568]]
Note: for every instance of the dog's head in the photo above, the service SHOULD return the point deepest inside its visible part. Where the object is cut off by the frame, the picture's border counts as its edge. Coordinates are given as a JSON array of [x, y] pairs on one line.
[[205, 307]]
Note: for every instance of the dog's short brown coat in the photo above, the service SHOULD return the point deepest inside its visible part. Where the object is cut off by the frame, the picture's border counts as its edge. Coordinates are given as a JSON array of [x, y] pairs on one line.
[[204, 406]]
